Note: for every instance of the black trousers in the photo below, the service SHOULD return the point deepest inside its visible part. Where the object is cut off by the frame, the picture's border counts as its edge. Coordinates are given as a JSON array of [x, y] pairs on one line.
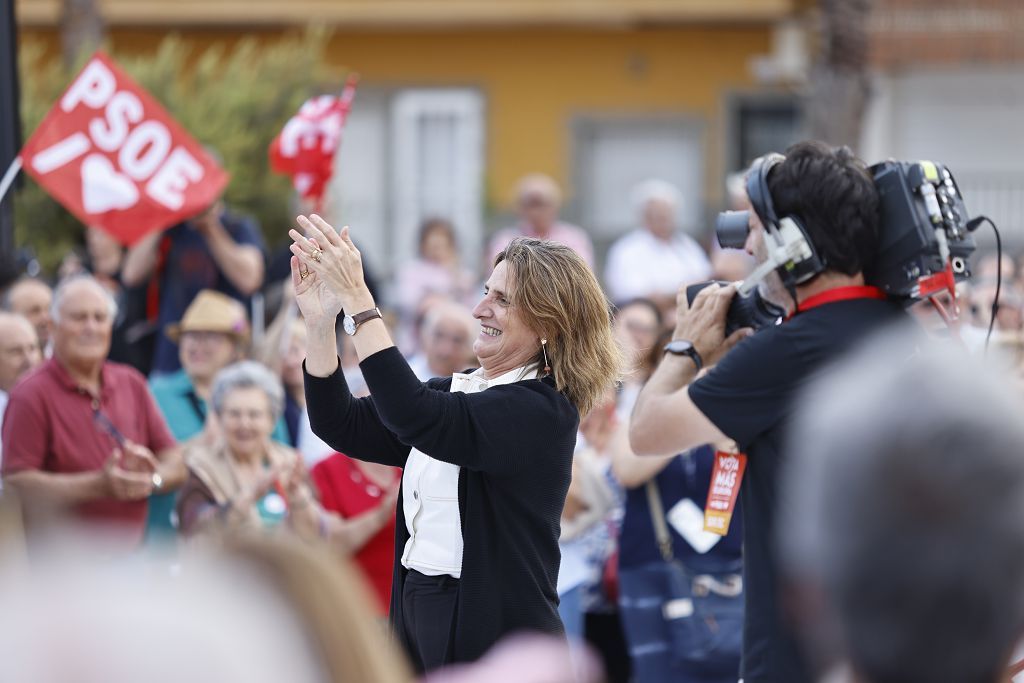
[[428, 615]]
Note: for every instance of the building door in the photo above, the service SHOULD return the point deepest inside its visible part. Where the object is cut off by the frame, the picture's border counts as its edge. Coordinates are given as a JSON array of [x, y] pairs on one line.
[[437, 166], [408, 155], [613, 155], [760, 124]]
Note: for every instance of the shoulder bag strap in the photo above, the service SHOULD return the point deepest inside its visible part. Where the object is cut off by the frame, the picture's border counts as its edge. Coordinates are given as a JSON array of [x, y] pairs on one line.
[[658, 520], [197, 405]]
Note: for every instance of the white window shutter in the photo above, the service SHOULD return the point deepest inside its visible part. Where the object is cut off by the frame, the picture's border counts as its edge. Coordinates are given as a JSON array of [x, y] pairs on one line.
[[437, 167]]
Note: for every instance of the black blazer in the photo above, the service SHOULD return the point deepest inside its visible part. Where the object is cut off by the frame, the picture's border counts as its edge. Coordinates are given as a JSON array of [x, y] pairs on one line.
[[514, 446]]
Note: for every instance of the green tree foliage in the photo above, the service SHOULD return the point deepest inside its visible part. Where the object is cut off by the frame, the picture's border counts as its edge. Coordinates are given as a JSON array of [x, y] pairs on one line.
[[233, 97]]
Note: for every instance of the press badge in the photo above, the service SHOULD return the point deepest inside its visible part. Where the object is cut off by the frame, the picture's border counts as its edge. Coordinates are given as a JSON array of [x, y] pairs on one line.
[[726, 478], [688, 521], [677, 609]]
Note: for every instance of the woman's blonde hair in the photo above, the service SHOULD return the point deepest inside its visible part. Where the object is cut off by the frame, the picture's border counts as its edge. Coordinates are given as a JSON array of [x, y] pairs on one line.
[[556, 294]]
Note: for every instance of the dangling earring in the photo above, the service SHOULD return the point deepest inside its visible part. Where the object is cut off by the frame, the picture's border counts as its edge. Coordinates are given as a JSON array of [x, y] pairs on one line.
[[544, 349]]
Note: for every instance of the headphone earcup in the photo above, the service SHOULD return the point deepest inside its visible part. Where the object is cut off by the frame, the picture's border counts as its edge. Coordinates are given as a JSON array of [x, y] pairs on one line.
[[785, 231], [757, 188], [806, 262]]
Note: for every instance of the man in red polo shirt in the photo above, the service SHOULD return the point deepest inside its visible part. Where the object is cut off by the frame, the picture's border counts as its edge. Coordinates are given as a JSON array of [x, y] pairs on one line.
[[83, 433]]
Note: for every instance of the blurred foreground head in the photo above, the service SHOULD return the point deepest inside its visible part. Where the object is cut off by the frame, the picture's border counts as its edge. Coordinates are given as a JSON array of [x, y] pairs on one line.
[[903, 535], [260, 611]]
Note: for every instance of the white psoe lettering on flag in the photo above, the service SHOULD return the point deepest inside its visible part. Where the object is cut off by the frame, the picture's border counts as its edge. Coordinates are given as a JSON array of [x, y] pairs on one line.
[[144, 148]]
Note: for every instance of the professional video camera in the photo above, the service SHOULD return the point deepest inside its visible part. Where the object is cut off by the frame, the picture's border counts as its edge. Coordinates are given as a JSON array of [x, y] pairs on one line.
[[924, 238], [746, 310]]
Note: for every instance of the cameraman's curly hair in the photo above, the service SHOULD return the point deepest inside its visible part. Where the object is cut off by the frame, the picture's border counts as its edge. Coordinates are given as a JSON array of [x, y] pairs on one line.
[[832, 193]]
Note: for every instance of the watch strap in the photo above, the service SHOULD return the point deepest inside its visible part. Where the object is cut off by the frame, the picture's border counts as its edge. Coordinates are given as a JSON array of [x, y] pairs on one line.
[[690, 351], [360, 318]]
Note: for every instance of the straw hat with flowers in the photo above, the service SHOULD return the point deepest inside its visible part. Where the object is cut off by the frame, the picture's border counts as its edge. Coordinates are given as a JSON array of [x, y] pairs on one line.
[[212, 311]]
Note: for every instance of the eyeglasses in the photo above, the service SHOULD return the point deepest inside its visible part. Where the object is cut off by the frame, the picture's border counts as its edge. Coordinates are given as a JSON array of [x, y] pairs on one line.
[[205, 337], [235, 415], [535, 203]]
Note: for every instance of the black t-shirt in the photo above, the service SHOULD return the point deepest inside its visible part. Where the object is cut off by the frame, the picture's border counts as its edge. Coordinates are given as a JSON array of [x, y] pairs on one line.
[[750, 396]]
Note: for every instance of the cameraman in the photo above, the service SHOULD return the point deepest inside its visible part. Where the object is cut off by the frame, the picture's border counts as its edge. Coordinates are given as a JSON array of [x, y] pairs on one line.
[[748, 394]]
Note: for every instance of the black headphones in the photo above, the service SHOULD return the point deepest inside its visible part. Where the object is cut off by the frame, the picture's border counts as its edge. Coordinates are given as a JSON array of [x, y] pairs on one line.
[[787, 232]]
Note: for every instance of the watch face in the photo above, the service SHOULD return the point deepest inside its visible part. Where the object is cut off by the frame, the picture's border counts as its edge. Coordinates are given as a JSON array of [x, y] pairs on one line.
[[679, 346], [349, 324]]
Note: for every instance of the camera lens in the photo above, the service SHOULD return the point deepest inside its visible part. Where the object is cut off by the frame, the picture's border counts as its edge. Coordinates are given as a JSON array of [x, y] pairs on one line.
[[732, 228]]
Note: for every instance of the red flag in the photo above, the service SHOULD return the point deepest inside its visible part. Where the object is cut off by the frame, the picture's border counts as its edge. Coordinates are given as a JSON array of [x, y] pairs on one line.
[[306, 145], [117, 160]]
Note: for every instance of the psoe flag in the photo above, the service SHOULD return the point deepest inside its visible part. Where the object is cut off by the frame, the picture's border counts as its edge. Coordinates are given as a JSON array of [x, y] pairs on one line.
[[116, 159], [306, 146]]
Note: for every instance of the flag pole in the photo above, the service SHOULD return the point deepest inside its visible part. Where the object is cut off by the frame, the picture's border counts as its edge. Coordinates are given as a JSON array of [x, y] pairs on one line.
[[9, 176]]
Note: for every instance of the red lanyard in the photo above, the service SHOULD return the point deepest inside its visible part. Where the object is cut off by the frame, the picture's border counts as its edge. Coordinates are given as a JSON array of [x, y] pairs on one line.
[[840, 294]]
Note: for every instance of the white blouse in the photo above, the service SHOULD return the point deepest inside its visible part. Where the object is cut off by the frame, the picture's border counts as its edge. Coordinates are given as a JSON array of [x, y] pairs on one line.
[[430, 495]]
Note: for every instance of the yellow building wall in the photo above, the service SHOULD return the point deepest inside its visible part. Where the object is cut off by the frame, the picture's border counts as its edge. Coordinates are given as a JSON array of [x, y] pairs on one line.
[[535, 81]]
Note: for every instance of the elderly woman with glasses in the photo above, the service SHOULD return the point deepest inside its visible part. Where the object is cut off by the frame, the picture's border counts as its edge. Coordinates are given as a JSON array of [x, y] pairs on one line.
[[244, 480], [486, 456]]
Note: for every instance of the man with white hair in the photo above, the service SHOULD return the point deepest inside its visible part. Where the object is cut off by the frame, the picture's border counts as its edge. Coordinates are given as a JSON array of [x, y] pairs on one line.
[[84, 433], [446, 341], [538, 200], [653, 261], [19, 353]]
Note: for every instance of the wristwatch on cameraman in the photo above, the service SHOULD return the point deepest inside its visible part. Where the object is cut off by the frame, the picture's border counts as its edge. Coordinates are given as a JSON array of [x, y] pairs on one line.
[[681, 347], [351, 323]]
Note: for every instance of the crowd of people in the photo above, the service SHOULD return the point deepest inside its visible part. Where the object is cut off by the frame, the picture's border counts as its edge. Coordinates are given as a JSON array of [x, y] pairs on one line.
[[526, 447]]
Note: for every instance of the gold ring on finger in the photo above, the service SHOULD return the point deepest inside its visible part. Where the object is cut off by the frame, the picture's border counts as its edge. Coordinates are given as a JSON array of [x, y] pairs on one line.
[[317, 255]]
